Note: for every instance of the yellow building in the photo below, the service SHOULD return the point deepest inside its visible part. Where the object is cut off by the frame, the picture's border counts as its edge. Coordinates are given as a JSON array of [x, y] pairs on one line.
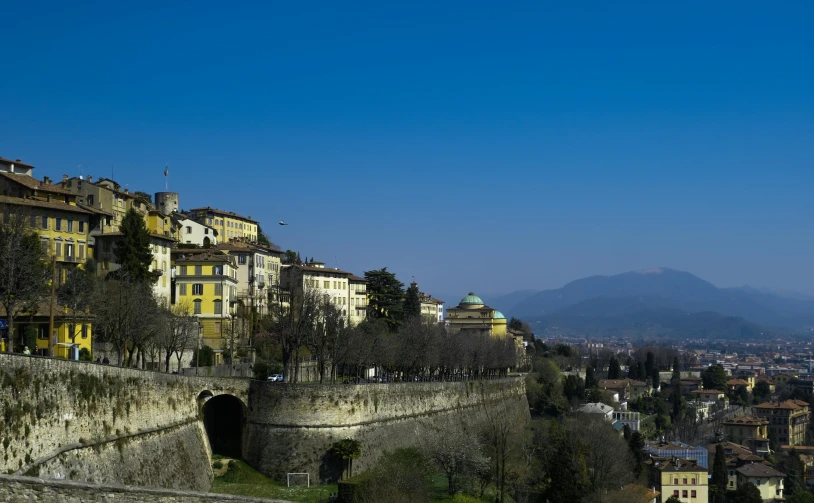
[[684, 479], [750, 431], [472, 315], [229, 225], [788, 421], [768, 480], [205, 282]]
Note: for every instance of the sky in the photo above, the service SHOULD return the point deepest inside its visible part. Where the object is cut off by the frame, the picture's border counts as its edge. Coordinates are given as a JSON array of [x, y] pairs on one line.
[[486, 146]]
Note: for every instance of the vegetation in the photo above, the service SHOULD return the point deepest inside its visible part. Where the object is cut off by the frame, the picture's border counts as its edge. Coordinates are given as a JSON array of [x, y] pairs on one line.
[[132, 249], [348, 450], [412, 302], [241, 479], [385, 297]]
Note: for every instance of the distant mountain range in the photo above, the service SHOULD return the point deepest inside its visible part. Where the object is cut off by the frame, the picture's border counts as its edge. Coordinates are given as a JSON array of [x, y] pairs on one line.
[[659, 301]]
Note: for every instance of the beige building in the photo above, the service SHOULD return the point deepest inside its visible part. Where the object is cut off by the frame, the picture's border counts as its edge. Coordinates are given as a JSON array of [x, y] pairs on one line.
[[684, 479], [258, 275], [358, 299], [432, 309], [330, 283], [750, 431], [788, 421], [17, 166], [473, 316], [768, 480], [229, 224]]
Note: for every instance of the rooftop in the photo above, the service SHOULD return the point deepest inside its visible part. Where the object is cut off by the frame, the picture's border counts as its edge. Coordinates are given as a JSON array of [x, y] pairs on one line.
[[216, 211], [679, 465], [759, 470], [747, 421], [471, 300], [34, 184], [16, 162], [36, 203], [787, 405]]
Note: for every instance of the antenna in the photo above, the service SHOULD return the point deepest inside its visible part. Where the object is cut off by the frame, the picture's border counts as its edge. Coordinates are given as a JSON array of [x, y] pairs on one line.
[[80, 171]]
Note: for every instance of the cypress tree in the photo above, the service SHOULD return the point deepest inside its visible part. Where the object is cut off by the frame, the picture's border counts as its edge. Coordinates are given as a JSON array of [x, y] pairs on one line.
[[132, 249], [412, 304], [719, 476], [614, 370]]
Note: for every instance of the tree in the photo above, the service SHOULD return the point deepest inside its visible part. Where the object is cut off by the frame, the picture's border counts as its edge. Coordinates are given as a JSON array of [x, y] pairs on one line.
[[178, 332], [762, 391], [650, 364], [24, 273], [291, 257], [263, 239], [292, 325], [132, 249], [800, 497], [347, 449], [455, 451], [322, 340], [655, 377], [614, 370], [402, 476], [385, 296], [714, 377], [675, 380], [204, 357], [637, 452], [144, 196], [412, 303], [673, 499], [515, 324], [76, 294], [590, 377], [795, 480], [747, 493]]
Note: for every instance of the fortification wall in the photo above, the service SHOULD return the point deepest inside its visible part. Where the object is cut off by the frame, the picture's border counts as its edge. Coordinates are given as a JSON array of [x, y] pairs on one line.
[[99, 423], [20, 489], [291, 428]]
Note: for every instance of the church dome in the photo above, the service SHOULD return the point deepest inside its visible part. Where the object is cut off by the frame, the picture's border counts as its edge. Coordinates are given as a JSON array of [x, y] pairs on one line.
[[499, 316], [471, 301]]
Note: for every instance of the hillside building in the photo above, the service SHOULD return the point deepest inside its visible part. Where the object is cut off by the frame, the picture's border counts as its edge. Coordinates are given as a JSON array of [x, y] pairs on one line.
[[229, 224], [471, 315], [788, 421]]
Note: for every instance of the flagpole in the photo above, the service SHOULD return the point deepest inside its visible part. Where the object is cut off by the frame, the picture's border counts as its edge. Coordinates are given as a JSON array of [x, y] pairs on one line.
[[167, 178]]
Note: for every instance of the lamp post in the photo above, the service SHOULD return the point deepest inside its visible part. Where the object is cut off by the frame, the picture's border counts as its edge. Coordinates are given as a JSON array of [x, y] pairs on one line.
[[232, 338]]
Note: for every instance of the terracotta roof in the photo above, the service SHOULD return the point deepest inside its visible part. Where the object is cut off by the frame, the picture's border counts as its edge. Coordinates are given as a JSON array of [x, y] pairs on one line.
[[34, 184], [224, 213], [93, 210], [635, 492], [152, 235], [209, 256], [788, 404], [707, 391], [356, 278], [52, 205], [759, 470], [244, 246], [737, 382], [613, 383], [17, 162]]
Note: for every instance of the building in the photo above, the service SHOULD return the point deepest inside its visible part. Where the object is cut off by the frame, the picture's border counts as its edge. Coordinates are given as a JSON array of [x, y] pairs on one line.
[[330, 283], [598, 408], [788, 420], [229, 225], [258, 274], [105, 195], [689, 384], [191, 232], [70, 330], [749, 431], [682, 478], [710, 395], [666, 450], [768, 480], [635, 493], [748, 382], [631, 419], [473, 316], [161, 248], [16, 167], [205, 283], [357, 287], [432, 309]]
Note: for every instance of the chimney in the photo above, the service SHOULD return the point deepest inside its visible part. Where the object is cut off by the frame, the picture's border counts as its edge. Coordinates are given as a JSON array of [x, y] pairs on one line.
[[46, 180], [64, 178], [90, 179]]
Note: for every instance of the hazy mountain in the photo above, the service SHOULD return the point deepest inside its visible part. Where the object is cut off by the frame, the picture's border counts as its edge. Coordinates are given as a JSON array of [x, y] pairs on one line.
[[641, 317], [507, 302], [664, 288]]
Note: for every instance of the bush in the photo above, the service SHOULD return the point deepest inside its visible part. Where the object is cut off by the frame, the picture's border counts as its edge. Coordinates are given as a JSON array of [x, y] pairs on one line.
[[85, 356], [207, 356], [217, 465], [30, 338], [465, 498], [402, 476]]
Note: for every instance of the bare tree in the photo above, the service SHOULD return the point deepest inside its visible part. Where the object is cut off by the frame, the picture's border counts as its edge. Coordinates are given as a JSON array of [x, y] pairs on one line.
[[126, 315], [292, 325], [324, 337], [456, 451], [178, 331], [76, 295], [24, 274]]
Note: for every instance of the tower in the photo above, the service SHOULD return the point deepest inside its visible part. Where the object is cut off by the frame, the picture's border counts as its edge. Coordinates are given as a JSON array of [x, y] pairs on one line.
[[167, 202]]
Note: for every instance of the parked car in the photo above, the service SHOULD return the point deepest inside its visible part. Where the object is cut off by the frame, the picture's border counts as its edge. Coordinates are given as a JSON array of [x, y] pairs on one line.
[[276, 378]]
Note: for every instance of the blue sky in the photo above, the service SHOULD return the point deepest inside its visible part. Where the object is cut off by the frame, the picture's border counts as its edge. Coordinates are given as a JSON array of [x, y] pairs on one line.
[[474, 146]]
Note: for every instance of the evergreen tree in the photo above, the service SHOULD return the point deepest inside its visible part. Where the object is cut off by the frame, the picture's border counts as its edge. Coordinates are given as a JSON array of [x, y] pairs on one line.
[[642, 372], [714, 377], [795, 474], [590, 377], [650, 363], [614, 370], [515, 324], [656, 378], [676, 379], [385, 297], [412, 303], [718, 483], [633, 371], [636, 445], [132, 249], [626, 433], [676, 415], [747, 493]]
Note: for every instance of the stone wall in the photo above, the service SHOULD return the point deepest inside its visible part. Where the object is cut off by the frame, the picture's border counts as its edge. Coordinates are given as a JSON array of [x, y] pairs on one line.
[[15, 489], [83, 421], [292, 427]]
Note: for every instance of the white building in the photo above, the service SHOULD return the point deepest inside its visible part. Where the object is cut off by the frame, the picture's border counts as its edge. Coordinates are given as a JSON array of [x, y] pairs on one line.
[[358, 299], [432, 309], [258, 273], [598, 408], [346, 291], [17, 166], [192, 232]]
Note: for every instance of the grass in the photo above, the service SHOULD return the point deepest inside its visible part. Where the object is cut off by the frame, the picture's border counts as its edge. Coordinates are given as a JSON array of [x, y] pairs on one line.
[[243, 480]]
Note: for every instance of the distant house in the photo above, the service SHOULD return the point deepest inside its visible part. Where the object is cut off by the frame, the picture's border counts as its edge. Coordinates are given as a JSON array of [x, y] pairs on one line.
[[768, 480], [751, 431], [710, 395], [598, 408]]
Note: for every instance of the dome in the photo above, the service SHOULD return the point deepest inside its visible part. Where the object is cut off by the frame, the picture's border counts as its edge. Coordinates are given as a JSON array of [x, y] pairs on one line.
[[499, 316], [471, 300]]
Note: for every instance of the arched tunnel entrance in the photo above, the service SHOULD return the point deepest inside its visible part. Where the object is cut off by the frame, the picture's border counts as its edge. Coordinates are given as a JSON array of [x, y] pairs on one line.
[[223, 418]]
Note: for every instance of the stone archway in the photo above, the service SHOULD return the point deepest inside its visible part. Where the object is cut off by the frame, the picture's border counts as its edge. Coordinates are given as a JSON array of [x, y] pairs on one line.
[[224, 417]]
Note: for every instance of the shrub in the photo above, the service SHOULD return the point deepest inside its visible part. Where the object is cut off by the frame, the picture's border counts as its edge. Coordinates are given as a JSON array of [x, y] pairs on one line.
[[217, 465], [85, 356], [30, 337]]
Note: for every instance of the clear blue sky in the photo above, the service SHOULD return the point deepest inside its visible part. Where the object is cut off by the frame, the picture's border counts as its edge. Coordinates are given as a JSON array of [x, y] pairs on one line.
[[476, 146]]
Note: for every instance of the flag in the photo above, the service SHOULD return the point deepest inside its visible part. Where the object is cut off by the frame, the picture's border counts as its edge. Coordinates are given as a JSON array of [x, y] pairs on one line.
[[167, 170]]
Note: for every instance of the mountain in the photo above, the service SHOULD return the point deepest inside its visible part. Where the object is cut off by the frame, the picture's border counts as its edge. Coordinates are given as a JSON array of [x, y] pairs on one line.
[[507, 302], [648, 318], [665, 288]]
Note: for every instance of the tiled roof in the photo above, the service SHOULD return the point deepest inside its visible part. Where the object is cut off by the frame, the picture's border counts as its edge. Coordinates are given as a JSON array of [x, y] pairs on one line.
[[737, 382], [707, 391], [356, 278], [34, 184], [747, 421], [788, 404], [759, 470], [17, 162], [206, 256], [52, 205], [152, 235], [326, 270], [216, 211]]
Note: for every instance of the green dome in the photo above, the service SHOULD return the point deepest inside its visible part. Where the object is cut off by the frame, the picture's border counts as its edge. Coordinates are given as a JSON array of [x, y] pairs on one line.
[[499, 316], [471, 300]]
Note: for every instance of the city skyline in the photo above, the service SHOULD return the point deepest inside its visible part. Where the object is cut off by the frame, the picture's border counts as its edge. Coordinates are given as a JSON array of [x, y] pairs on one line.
[[470, 148]]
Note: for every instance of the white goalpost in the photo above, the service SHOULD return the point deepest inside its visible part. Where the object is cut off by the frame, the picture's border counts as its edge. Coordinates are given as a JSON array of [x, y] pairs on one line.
[[307, 478]]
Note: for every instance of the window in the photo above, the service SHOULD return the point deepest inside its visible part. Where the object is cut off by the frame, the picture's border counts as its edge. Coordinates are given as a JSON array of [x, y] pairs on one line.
[[685, 482], [693, 481], [189, 229], [182, 289], [183, 271], [217, 327], [684, 493], [218, 307], [327, 284], [197, 289], [206, 230], [81, 251], [217, 270], [59, 224], [45, 245], [241, 259], [692, 494], [675, 493], [70, 225], [675, 482], [218, 289], [90, 200], [198, 270], [197, 304], [81, 226], [44, 222], [58, 249], [84, 331]]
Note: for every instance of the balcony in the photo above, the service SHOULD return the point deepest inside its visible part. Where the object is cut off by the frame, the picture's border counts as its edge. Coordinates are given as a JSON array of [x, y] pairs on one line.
[[68, 258]]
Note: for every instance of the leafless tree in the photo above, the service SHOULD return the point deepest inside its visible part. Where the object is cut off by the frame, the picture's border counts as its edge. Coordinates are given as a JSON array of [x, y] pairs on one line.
[[76, 296], [456, 451], [323, 340], [291, 325], [24, 274], [126, 316], [178, 332]]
